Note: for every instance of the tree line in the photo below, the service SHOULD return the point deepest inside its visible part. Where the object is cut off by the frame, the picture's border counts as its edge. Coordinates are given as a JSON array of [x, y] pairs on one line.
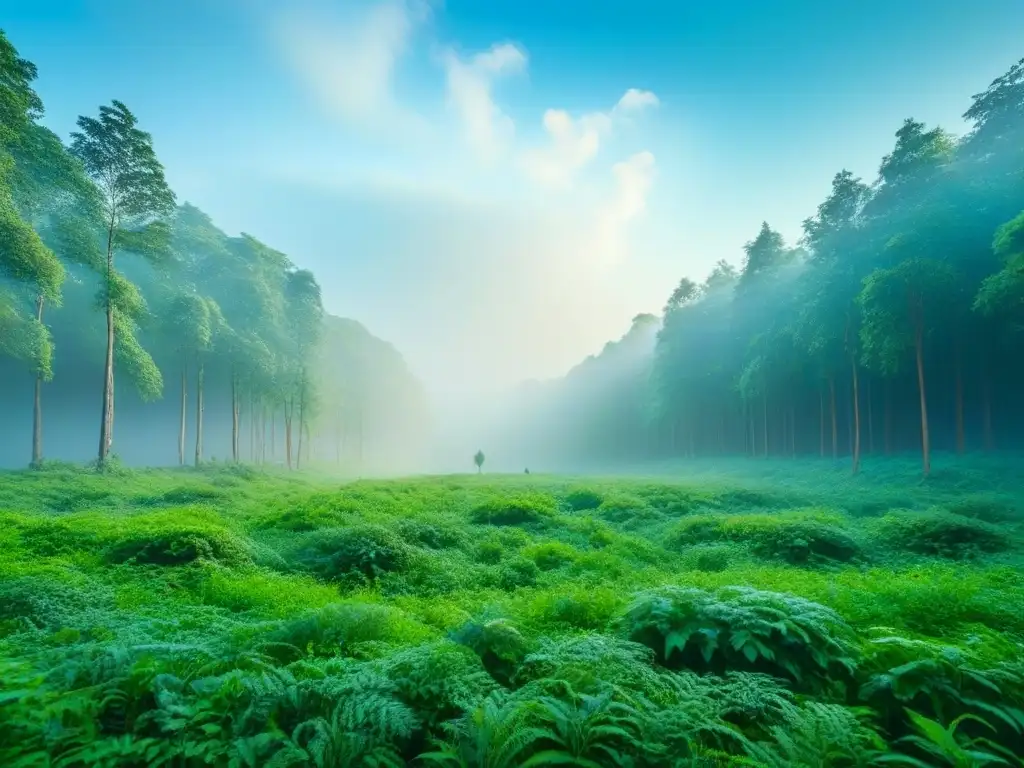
[[94, 226], [891, 325]]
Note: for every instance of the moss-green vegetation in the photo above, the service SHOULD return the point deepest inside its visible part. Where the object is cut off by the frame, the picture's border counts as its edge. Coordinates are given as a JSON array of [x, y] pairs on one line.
[[235, 618]]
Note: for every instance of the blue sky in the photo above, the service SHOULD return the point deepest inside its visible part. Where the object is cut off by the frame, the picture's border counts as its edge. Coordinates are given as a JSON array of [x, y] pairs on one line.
[[400, 149]]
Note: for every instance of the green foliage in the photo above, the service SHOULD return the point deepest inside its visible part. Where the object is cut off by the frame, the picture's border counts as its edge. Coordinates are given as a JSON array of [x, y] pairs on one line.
[[366, 551], [940, 534], [796, 537], [520, 509], [742, 628], [134, 630]]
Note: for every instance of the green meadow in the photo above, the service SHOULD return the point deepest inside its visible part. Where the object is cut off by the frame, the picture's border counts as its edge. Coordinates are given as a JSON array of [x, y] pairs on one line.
[[699, 617]]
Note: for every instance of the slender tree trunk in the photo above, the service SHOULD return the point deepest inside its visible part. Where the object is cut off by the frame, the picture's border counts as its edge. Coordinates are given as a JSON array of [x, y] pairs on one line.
[[273, 434], [234, 418], [888, 417], [199, 413], [263, 435], [302, 418], [958, 367], [764, 410], [792, 431], [288, 407], [107, 421], [926, 458], [821, 422], [986, 406], [37, 402], [871, 419], [835, 428], [184, 408], [856, 416], [252, 428]]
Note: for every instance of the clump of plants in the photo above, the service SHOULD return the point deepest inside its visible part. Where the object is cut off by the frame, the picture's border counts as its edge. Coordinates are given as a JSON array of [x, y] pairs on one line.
[[520, 509], [796, 537], [739, 628], [939, 534], [365, 551], [582, 499]]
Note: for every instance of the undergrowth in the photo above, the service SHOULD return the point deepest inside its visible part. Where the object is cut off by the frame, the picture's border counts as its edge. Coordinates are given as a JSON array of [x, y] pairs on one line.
[[242, 618]]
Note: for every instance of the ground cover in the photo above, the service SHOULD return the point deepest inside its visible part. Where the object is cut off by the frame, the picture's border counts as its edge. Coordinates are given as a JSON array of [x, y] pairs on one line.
[[758, 614]]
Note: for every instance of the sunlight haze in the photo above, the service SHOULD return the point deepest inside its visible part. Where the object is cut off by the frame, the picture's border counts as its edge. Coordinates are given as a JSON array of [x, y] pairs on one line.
[[498, 187]]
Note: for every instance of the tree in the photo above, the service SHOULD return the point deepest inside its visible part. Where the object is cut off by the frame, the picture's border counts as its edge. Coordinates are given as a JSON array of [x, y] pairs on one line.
[[901, 305], [120, 159], [478, 459], [303, 323]]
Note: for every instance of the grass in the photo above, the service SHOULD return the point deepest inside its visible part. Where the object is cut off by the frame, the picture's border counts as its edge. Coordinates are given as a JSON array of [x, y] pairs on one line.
[[796, 616]]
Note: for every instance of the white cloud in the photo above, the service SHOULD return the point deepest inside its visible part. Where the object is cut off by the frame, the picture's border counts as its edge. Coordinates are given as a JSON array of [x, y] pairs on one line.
[[635, 100], [574, 143], [496, 241], [348, 61], [633, 180], [470, 85]]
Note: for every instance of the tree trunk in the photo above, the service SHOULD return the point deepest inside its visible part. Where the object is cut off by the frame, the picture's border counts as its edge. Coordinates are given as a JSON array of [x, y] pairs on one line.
[[302, 418], [856, 416], [986, 405], [821, 422], [835, 429], [199, 413], [764, 406], [184, 408], [37, 403], [288, 407], [888, 417], [107, 421], [273, 434], [234, 418], [252, 429], [926, 459], [958, 366], [263, 435], [871, 419]]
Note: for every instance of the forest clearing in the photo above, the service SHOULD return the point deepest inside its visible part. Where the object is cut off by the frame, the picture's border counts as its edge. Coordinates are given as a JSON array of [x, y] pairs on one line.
[[798, 616]]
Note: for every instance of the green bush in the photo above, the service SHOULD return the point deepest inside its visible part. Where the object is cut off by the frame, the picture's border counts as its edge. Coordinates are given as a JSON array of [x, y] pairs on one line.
[[989, 509], [523, 509], [939, 534], [179, 547], [431, 536], [550, 554], [583, 499], [365, 550], [738, 628], [796, 537]]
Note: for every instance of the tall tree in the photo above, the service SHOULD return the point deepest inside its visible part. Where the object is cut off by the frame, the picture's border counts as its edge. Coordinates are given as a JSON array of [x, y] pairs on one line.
[[137, 202]]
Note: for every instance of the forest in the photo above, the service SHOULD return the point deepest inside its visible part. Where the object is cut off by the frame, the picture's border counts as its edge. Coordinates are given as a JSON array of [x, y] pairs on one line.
[[228, 595], [893, 325], [104, 272]]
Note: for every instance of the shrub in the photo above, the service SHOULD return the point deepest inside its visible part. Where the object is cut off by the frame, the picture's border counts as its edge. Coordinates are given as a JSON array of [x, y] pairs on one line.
[[179, 546], [365, 550], [523, 509], [940, 534], [497, 642], [490, 551], [989, 509], [582, 499], [431, 536], [741, 628], [626, 510], [550, 554], [517, 572], [796, 537]]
